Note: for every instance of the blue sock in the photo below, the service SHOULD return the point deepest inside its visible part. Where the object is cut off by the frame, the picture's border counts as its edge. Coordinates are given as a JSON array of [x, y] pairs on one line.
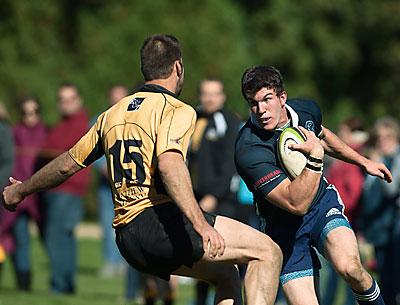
[[370, 297]]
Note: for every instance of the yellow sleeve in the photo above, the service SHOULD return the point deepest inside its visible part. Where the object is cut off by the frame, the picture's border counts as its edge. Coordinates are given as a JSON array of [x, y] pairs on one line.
[[89, 148], [175, 130]]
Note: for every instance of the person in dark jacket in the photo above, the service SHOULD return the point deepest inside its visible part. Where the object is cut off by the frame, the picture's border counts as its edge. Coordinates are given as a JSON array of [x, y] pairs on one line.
[[211, 162]]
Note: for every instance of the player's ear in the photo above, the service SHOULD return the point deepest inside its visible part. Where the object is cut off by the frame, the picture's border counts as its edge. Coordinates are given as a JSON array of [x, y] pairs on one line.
[[283, 98], [179, 67]]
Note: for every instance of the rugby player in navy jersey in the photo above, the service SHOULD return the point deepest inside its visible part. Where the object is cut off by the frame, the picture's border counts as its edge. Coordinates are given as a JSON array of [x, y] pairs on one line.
[[306, 213]]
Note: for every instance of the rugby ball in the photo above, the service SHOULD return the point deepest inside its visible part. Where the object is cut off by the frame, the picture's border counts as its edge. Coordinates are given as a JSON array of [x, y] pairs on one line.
[[292, 161]]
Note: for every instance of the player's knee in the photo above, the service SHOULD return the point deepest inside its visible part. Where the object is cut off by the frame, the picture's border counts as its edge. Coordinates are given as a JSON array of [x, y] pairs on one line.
[[276, 255], [271, 253], [351, 270]]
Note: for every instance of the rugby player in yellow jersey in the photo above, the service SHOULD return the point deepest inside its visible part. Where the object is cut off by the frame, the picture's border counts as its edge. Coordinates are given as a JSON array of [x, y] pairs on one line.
[[160, 228]]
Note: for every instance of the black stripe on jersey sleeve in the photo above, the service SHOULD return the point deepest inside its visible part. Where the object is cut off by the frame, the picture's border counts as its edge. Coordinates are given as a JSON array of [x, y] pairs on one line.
[[95, 154]]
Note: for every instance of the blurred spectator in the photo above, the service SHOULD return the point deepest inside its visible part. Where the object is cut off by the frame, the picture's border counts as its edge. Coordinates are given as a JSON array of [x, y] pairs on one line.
[[348, 179], [380, 213], [63, 204], [114, 265], [211, 162], [6, 163], [29, 135]]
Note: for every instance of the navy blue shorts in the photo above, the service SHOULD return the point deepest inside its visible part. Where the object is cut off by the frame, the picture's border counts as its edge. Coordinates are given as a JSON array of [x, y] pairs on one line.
[[299, 237]]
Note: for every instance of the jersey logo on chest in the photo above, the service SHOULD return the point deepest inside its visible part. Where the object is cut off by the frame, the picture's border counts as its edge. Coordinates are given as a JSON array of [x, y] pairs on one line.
[[310, 126]]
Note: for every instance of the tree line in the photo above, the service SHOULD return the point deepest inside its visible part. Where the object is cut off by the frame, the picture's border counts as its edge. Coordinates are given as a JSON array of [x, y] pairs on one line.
[[344, 53]]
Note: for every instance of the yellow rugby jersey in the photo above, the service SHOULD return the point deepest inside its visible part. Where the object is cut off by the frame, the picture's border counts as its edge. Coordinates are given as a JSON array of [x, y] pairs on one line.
[[132, 134]]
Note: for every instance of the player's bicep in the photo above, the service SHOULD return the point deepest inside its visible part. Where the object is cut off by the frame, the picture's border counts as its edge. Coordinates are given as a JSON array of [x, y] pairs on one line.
[[258, 170], [279, 196], [266, 178]]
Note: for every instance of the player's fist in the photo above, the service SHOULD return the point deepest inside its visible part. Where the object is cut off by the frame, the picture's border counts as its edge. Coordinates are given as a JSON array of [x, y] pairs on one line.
[[12, 195], [312, 146], [378, 169]]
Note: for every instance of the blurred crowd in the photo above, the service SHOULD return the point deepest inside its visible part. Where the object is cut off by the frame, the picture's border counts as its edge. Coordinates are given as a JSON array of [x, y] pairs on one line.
[[372, 206]]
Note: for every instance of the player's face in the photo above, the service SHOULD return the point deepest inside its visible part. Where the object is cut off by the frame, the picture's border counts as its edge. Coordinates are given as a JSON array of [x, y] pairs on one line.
[[269, 109], [212, 96]]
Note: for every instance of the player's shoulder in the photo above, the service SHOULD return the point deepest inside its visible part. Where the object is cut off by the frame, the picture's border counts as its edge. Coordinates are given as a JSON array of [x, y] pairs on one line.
[[244, 136], [253, 143], [179, 105], [303, 104]]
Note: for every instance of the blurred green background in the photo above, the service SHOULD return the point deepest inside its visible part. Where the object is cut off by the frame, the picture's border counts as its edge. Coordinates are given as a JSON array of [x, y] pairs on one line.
[[344, 53]]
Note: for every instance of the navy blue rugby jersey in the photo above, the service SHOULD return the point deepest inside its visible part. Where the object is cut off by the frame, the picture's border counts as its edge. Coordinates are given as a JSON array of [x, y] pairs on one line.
[[257, 161]]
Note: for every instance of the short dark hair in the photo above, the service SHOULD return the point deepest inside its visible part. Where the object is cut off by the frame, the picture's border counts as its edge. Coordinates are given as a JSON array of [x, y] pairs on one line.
[[258, 77], [210, 79], [70, 85], [157, 56], [25, 99]]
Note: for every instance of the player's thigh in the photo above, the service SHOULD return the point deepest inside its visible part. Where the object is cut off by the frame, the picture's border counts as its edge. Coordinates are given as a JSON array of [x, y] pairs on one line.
[[341, 247], [301, 291], [244, 243]]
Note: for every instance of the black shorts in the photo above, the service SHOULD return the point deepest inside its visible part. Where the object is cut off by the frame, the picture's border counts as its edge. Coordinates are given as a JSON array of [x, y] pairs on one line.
[[160, 240]]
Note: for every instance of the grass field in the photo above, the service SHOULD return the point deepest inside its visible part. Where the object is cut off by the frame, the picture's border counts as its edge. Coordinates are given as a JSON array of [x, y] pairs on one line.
[[91, 289]]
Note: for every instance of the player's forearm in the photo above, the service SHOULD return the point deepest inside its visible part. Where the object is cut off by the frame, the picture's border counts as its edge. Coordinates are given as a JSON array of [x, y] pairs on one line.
[[51, 175], [336, 148], [176, 179], [303, 189], [297, 196]]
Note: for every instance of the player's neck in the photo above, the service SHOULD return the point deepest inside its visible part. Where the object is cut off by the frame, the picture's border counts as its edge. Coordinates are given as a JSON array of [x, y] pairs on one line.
[[284, 119], [166, 83]]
